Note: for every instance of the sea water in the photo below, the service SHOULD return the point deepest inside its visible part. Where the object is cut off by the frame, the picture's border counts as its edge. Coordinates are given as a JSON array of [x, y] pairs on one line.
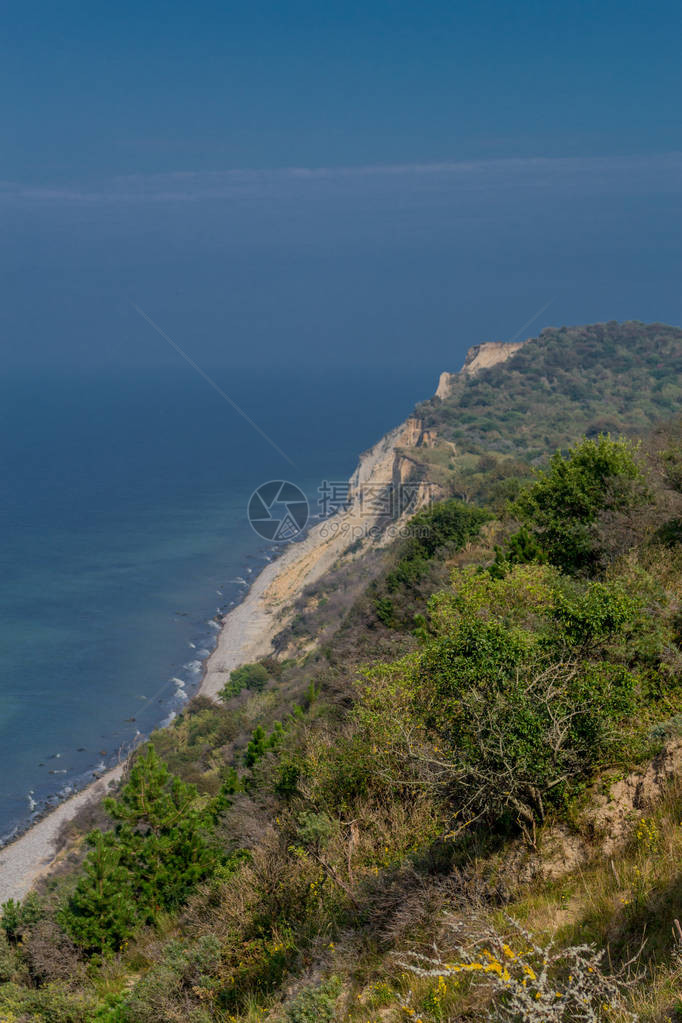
[[123, 534]]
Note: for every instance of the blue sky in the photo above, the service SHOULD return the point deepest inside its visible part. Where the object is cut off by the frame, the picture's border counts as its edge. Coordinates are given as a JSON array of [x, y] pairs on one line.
[[337, 181]]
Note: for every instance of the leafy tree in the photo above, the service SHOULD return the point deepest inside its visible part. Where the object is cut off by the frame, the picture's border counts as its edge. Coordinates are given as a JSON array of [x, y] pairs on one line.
[[521, 689], [561, 508], [521, 548]]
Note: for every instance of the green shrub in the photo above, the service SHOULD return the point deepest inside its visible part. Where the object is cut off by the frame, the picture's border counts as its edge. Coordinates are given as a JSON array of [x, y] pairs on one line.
[[288, 778], [385, 611], [447, 525], [562, 508], [315, 1005], [8, 960], [434, 533], [248, 676], [670, 533], [54, 1003], [526, 684], [260, 743], [19, 917]]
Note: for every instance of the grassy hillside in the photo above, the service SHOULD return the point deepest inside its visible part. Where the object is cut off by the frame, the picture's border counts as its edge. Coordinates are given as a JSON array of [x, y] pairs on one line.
[[462, 803], [570, 381]]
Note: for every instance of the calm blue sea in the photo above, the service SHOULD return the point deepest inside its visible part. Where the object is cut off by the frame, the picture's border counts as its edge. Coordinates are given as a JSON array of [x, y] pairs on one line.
[[123, 531]]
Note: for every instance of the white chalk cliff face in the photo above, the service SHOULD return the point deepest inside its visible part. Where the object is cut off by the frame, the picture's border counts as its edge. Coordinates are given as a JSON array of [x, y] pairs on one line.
[[477, 358]]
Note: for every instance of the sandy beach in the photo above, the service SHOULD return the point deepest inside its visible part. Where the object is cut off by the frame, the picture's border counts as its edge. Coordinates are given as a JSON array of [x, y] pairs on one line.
[[246, 635]]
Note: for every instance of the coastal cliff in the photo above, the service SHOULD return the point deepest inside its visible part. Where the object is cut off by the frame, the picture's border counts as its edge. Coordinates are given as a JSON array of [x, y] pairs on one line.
[[250, 629], [479, 357], [389, 462]]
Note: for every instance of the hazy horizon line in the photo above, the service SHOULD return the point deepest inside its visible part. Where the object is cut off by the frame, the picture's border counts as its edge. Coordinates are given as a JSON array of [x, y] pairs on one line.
[[233, 182]]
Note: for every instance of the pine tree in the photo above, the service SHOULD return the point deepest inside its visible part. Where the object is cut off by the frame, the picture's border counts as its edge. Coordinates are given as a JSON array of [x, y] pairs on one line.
[[160, 832], [101, 913], [153, 858]]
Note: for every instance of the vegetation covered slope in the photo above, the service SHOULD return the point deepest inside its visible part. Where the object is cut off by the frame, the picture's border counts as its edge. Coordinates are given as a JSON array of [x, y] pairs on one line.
[[569, 381], [394, 824]]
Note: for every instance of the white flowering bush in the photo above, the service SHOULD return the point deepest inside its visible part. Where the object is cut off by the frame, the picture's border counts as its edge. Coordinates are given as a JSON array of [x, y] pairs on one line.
[[527, 982]]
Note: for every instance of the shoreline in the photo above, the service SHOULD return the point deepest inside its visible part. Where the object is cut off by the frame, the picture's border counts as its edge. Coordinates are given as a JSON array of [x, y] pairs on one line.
[[246, 634]]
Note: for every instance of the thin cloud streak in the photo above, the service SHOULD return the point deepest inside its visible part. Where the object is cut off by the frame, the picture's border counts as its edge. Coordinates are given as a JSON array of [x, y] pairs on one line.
[[197, 186]]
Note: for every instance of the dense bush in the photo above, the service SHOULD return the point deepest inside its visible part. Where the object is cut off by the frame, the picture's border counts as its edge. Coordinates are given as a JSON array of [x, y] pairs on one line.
[[249, 676], [434, 534], [561, 509], [8, 960], [165, 993], [54, 1003], [443, 527], [525, 685]]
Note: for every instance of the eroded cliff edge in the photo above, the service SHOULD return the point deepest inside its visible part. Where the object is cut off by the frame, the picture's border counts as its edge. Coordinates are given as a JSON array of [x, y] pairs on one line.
[[479, 357]]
